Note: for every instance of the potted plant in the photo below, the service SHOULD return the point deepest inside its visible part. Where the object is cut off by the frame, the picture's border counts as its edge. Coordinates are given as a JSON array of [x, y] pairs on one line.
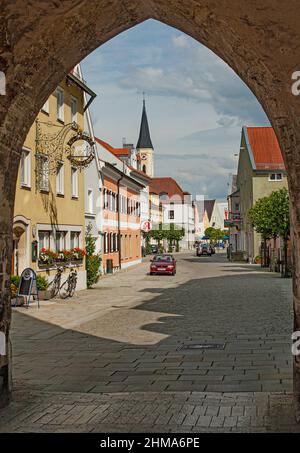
[[14, 285], [42, 286], [257, 259]]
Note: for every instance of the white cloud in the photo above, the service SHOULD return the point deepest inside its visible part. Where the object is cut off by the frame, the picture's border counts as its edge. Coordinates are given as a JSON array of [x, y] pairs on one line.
[[181, 41], [196, 104]]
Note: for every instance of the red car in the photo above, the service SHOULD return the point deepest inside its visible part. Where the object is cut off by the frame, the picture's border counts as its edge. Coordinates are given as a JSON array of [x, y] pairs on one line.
[[163, 264]]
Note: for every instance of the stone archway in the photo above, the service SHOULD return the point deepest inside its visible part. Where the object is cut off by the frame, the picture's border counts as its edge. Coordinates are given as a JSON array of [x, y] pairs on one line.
[[41, 42]]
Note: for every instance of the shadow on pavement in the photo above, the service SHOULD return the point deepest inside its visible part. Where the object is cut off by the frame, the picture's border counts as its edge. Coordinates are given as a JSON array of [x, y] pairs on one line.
[[247, 313]]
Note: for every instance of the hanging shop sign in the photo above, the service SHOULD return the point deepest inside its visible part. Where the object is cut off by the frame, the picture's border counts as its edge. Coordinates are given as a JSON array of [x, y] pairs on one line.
[[80, 150]]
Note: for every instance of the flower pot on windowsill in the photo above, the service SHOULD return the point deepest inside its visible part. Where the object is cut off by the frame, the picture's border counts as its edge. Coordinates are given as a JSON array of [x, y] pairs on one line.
[[44, 265]]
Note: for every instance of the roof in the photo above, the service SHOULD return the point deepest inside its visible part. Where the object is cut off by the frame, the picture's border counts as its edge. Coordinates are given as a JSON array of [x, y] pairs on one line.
[[144, 140], [264, 148], [166, 185], [209, 207], [115, 151], [141, 173]]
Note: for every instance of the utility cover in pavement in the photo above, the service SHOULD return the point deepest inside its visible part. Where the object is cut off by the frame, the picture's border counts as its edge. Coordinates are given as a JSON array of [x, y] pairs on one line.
[[205, 346]]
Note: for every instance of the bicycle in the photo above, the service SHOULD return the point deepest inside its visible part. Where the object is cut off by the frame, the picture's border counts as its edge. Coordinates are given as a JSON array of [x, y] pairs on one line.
[[55, 284], [67, 289]]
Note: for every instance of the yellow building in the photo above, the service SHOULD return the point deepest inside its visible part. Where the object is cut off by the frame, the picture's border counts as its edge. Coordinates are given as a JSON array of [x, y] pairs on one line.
[[49, 203], [261, 171], [155, 209]]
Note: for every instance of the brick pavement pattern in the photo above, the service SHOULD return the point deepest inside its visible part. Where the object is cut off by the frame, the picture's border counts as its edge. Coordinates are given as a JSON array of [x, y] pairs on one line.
[[128, 355]]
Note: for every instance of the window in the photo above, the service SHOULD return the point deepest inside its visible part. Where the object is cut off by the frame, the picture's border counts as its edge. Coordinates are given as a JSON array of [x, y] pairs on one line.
[[45, 107], [144, 169], [74, 242], [130, 246], [73, 110], [60, 178], [111, 244], [60, 241], [104, 199], [43, 173], [113, 202], [25, 168], [105, 243], [44, 240], [236, 206], [90, 196], [74, 182], [171, 215], [60, 104], [275, 177]]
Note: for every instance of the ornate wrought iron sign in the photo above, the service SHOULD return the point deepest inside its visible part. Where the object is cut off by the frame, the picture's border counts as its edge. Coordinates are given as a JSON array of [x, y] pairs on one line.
[[80, 150], [50, 149]]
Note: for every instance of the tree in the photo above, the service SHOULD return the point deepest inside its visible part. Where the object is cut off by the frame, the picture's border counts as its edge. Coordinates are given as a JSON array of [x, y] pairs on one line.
[[214, 234], [174, 234], [158, 235], [280, 218], [270, 216], [259, 216], [93, 261]]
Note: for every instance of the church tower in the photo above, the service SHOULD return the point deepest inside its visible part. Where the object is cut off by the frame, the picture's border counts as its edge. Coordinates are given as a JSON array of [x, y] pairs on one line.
[[144, 146]]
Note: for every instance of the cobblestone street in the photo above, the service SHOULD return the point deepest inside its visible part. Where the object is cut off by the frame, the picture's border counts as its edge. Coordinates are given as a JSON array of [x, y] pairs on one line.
[[206, 350]]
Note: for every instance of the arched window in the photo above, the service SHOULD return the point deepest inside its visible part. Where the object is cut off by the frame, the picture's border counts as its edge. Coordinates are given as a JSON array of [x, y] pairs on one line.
[[144, 169]]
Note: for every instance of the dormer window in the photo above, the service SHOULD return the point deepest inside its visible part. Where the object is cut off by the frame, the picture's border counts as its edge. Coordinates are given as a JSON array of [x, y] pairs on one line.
[[275, 177]]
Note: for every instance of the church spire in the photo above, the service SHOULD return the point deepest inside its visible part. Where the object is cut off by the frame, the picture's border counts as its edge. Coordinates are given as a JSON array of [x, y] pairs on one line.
[[144, 140]]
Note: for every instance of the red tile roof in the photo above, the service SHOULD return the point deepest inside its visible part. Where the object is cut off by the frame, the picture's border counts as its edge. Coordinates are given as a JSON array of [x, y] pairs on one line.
[[265, 148], [166, 185], [115, 151]]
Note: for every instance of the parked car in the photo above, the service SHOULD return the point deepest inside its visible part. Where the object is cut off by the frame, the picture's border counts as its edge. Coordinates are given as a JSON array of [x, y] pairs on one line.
[[163, 263], [204, 249]]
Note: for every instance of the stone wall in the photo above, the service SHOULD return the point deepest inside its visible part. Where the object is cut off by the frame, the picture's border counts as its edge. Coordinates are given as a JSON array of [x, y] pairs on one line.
[[40, 43]]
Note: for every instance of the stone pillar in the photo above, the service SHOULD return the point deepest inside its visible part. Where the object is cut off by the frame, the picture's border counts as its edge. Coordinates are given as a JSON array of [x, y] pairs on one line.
[[295, 236], [6, 241], [12, 134]]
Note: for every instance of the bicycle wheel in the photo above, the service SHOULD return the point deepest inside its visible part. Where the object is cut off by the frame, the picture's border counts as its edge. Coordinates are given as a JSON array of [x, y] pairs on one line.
[[72, 287], [55, 287], [65, 289]]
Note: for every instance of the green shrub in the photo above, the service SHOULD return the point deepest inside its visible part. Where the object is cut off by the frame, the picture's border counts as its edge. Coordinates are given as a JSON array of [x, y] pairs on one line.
[[148, 249], [93, 264], [92, 260], [42, 283]]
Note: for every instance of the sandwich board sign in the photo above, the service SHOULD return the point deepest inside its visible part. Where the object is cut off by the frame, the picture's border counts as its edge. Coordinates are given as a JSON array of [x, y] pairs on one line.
[[28, 286]]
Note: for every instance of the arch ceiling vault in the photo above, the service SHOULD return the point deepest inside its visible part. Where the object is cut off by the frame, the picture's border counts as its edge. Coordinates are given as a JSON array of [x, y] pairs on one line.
[[41, 40]]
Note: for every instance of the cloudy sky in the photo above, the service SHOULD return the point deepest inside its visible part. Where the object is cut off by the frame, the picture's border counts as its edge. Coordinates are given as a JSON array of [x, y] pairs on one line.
[[196, 104]]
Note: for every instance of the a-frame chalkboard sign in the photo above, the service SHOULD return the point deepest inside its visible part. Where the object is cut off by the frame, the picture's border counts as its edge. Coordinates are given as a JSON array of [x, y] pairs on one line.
[[28, 286]]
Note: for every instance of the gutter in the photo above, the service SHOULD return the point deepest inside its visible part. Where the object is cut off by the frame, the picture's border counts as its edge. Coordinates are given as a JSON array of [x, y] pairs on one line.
[[84, 87]]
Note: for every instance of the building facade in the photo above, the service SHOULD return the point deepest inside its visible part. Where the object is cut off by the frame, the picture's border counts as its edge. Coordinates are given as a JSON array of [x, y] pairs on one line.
[[261, 171], [49, 203]]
